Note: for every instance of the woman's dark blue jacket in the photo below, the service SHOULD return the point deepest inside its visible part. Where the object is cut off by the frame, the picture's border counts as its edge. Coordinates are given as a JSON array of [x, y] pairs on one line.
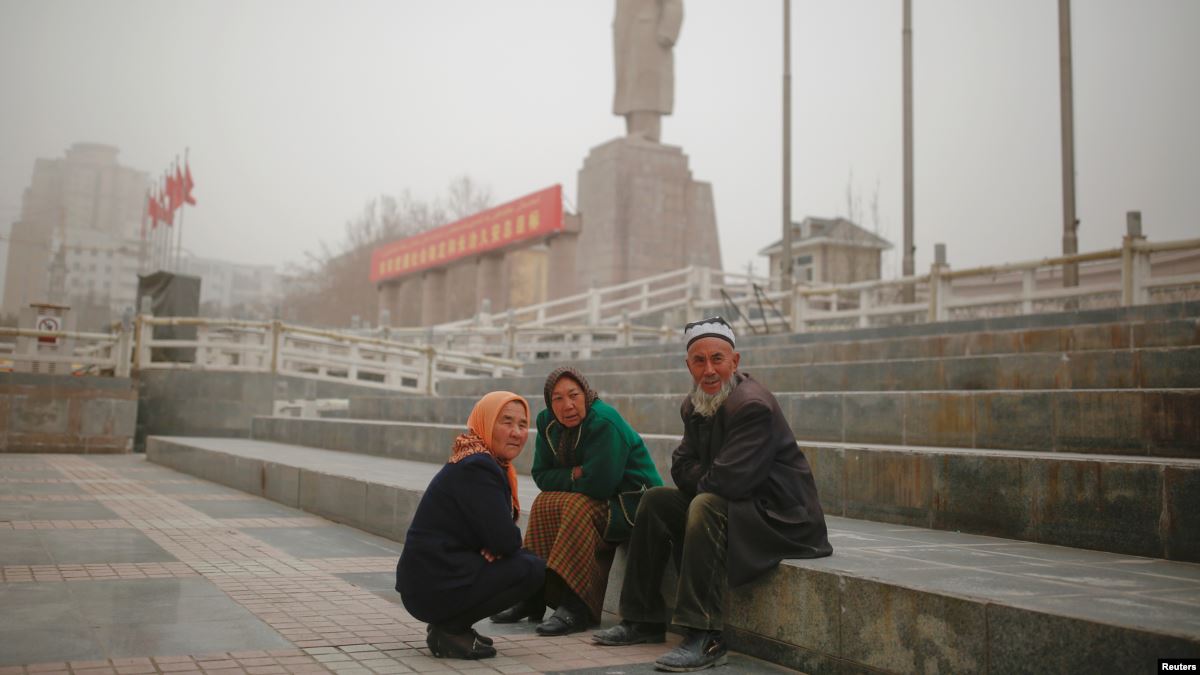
[[467, 507]]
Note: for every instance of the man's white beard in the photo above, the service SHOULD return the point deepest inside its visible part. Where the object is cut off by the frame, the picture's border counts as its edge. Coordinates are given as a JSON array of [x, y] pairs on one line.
[[708, 404]]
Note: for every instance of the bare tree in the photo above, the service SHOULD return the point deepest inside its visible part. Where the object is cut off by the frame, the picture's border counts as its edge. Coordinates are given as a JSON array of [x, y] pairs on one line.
[[333, 284]]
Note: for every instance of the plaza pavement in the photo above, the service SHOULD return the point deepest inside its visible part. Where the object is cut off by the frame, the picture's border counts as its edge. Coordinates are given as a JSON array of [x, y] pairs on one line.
[[110, 565]]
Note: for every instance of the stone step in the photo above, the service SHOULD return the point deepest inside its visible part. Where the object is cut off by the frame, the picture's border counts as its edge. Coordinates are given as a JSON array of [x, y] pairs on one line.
[[1140, 506], [810, 348], [1157, 423], [1188, 311], [1172, 368], [892, 598]]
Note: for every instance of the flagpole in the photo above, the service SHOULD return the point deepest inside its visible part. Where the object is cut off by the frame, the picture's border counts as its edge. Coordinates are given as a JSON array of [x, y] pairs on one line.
[[142, 239], [164, 262], [182, 204]]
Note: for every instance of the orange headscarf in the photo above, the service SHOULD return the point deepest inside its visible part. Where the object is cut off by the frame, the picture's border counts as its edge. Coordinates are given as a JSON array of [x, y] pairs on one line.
[[480, 425]]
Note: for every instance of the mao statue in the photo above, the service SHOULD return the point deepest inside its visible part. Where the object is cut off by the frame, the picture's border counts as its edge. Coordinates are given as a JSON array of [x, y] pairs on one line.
[[644, 32]]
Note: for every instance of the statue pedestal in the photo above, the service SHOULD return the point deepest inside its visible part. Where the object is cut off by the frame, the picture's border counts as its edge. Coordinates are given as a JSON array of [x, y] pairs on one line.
[[642, 214]]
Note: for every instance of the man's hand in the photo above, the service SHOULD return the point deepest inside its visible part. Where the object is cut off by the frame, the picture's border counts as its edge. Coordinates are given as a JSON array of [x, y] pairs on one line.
[[488, 555], [576, 473]]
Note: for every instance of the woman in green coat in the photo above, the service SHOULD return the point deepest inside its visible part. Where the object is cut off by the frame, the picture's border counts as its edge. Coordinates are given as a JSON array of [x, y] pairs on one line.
[[592, 468]]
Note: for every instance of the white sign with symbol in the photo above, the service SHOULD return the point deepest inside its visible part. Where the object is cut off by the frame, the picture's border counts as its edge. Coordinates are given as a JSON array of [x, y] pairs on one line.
[[48, 323]]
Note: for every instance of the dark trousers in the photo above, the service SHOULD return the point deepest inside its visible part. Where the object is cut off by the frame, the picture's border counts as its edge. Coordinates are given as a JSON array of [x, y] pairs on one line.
[[693, 528], [499, 585]]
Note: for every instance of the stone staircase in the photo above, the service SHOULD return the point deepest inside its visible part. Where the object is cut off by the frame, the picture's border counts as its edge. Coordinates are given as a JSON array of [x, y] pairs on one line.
[[1005, 495]]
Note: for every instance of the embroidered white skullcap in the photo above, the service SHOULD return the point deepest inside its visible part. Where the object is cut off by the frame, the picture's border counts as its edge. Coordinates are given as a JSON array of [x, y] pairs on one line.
[[711, 327]]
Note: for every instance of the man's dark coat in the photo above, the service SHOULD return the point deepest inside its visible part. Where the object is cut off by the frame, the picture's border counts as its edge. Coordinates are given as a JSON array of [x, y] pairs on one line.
[[747, 454]]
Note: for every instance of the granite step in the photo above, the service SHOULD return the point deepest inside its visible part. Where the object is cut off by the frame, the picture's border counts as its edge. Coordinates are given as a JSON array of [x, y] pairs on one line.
[[1136, 505], [1170, 368], [892, 598], [1157, 423], [789, 349]]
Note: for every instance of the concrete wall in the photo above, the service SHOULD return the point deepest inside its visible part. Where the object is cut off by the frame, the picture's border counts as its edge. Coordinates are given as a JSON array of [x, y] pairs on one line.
[[63, 413], [184, 403]]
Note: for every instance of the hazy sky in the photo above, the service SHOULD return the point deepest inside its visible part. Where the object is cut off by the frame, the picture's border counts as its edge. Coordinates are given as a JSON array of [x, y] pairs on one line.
[[298, 112]]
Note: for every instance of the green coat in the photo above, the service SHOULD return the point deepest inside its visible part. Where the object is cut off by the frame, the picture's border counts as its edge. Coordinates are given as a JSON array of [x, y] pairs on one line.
[[612, 454]]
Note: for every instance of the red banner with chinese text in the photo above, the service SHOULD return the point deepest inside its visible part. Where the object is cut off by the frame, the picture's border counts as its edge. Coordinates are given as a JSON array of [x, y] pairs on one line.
[[529, 217]]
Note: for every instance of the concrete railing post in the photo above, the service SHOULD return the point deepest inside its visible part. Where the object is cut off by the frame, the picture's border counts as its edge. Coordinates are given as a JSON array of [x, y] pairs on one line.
[[122, 353], [939, 285], [430, 369], [705, 285], [1135, 264], [593, 307], [864, 304], [626, 328], [1028, 286], [143, 333], [276, 344], [510, 335], [799, 307]]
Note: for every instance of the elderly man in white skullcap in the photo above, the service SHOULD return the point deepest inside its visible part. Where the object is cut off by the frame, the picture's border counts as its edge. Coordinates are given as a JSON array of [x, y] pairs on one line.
[[743, 500]]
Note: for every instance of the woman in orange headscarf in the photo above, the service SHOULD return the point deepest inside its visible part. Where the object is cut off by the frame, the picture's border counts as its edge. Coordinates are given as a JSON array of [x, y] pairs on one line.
[[462, 558]]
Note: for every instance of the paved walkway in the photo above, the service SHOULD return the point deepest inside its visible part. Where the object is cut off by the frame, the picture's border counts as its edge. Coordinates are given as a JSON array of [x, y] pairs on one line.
[[110, 565]]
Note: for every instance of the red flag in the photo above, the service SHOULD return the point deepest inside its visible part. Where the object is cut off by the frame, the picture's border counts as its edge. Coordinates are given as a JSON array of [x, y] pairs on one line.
[[177, 198], [188, 185], [152, 210], [171, 192], [166, 214]]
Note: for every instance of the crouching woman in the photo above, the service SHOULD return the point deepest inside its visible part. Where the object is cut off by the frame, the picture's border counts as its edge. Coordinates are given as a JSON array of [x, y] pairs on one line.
[[462, 558]]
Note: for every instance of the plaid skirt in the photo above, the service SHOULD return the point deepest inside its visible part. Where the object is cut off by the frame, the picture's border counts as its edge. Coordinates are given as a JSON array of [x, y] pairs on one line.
[[566, 529]]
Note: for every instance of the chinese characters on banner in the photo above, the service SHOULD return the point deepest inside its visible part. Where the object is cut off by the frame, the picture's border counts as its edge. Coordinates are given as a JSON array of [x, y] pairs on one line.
[[531, 216]]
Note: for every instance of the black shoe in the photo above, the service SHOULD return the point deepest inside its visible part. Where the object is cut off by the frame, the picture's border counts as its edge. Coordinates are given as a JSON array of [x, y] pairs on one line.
[[700, 649], [631, 633], [533, 608], [564, 621], [466, 645], [482, 638]]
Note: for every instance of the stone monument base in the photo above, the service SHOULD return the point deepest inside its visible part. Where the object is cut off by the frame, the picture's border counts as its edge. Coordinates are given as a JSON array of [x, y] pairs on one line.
[[642, 214]]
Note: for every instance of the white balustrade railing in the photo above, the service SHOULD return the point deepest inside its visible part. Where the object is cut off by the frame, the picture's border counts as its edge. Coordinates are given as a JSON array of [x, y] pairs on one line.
[[577, 327], [1003, 290], [65, 352], [274, 347]]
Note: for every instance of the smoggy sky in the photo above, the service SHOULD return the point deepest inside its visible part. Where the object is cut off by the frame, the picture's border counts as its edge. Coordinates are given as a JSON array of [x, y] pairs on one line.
[[298, 112]]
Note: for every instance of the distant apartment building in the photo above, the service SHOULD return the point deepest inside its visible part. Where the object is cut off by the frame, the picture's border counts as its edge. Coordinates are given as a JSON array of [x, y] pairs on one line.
[[77, 240], [229, 289]]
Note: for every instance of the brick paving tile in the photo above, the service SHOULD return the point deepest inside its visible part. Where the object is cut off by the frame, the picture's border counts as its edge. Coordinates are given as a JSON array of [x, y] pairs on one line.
[[76, 665], [257, 661], [225, 671], [136, 669], [266, 670], [307, 668], [106, 670], [177, 667], [12, 670]]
